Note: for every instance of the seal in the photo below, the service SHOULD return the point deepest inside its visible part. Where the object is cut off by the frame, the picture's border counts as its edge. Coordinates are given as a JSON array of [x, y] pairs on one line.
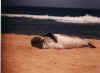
[[59, 41]]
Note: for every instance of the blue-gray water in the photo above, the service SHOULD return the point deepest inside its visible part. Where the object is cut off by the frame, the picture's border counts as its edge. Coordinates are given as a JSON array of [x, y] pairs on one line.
[[30, 26], [51, 11], [34, 26]]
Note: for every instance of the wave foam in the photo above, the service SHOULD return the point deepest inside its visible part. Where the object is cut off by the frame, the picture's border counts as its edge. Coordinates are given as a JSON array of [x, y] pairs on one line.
[[66, 19]]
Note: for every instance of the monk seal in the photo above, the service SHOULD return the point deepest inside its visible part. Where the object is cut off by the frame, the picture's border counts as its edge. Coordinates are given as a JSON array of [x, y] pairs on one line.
[[59, 41]]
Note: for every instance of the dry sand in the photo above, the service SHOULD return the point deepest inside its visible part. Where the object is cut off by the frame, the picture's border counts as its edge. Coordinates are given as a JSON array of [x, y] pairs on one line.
[[18, 56]]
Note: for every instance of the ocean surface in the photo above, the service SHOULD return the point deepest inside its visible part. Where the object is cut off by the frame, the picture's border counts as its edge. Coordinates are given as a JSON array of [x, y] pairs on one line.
[[78, 22], [51, 11]]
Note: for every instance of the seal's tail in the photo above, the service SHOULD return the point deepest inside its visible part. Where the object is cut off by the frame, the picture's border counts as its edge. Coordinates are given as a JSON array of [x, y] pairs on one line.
[[91, 46]]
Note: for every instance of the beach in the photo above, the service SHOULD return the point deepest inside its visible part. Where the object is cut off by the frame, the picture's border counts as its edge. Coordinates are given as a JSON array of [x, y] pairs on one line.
[[18, 56]]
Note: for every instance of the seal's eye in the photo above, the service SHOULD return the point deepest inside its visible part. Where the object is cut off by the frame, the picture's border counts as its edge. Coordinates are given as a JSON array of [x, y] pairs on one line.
[[36, 40]]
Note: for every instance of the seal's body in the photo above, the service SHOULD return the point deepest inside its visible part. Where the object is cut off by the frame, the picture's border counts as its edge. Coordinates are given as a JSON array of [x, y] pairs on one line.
[[59, 41]]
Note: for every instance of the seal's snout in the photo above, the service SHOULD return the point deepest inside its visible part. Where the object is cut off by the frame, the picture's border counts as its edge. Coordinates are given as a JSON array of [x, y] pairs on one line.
[[37, 42]]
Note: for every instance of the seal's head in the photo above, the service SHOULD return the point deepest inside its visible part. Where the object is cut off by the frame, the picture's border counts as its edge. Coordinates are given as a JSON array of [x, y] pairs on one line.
[[37, 42]]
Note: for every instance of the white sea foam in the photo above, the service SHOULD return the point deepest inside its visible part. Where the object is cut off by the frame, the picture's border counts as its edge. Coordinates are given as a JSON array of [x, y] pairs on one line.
[[87, 19]]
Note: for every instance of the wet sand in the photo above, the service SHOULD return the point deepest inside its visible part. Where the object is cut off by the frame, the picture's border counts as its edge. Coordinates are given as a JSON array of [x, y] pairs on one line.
[[18, 56]]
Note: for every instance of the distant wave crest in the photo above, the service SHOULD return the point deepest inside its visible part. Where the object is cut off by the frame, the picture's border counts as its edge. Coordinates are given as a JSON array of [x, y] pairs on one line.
[[87, 19]]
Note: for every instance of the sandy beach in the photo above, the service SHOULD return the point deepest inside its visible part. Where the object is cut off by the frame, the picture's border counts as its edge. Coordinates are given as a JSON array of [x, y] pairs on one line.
[[18, 56]]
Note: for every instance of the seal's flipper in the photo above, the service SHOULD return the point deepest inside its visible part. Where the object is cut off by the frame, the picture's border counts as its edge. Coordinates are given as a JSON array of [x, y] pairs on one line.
[[51, 36], [91, 46]]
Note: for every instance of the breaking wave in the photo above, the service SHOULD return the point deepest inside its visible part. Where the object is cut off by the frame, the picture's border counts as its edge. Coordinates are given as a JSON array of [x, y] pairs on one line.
[[86, 19]]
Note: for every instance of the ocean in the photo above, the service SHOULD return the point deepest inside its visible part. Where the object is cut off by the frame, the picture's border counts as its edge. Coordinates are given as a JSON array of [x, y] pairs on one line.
[[34, 20]]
